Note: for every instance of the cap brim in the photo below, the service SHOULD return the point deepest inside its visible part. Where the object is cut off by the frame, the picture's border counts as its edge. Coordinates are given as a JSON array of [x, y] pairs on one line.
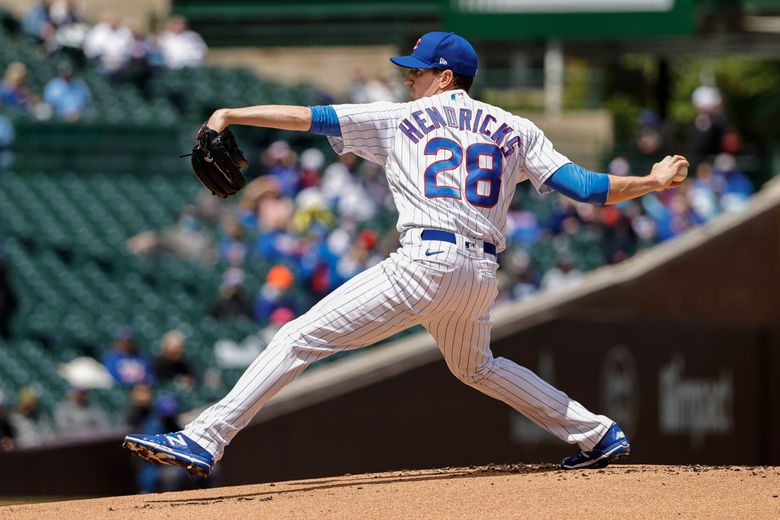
[[410, 62]]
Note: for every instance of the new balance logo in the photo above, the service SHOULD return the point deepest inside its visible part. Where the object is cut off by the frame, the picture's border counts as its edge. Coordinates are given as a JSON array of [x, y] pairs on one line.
[[177, 440]]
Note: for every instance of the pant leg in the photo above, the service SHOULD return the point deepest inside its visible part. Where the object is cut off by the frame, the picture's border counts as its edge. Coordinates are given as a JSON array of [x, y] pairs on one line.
[[373, 305], [464, 339]]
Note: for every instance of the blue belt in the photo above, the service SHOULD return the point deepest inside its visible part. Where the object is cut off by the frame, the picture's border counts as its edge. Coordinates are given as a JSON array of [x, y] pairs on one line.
[[446, 236]]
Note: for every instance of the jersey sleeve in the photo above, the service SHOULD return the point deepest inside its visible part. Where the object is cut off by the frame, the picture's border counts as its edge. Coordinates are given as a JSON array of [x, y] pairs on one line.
[[367, 130], [540, 158]]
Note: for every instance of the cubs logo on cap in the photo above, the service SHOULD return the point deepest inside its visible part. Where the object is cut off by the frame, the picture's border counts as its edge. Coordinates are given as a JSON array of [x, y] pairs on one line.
[[441, 50]]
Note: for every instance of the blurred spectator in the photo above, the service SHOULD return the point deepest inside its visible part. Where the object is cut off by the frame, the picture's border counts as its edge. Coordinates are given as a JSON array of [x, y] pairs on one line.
[[14, 93], [357, 87], [255, 195], [171, 365], [564, 274], [276, 241], [643, 225], [71, 30], [275, 214], [619, 166], [230, 354], [281, 163], [186, 240], [140, 407], [650, 140], [360, 257], [736, 186], [7, 136], [312, 160], [142, 60], [311, 211], [232, 301], [704, 192], [32, 428], [275, 294], [109, 43], [214, 210], [618, 239], [181, 47], [37, 21], [7, 432], [523, 227], [681, 217], [67, 95], [232, 247], [382, 88], [77, 416], [343, 191], [8, 299], [64, 12], [732, 141], [278, 318], [524, 286], [517, 277], [124, 363], [374, 181], [710, 121]]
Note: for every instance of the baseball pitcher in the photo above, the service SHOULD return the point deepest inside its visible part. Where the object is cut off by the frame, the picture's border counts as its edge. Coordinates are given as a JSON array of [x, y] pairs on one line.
[[452, 164]]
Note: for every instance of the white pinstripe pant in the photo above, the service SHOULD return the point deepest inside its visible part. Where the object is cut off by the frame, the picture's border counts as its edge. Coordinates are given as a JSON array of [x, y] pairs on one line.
[[450, 293]]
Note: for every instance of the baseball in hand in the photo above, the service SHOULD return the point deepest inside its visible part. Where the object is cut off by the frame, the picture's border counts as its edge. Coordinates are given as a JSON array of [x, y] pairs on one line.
[[682, 174]]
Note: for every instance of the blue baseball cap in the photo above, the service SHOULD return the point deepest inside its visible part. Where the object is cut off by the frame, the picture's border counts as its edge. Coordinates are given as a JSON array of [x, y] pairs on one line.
[[441, 50]]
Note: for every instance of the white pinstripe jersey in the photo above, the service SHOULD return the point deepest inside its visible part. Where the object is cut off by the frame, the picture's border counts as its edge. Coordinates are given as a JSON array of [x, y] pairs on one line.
[[452, 162]]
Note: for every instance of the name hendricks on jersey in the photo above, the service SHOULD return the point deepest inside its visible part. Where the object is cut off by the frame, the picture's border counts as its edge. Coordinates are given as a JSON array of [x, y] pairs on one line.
[[421, 123]]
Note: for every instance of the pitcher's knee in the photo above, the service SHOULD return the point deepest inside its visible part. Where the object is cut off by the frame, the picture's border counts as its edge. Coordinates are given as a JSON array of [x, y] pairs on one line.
[[472, 374], [300, 343]]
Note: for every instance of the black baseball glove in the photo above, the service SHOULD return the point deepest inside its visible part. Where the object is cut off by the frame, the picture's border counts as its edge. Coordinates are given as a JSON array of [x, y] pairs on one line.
[[217, 161]]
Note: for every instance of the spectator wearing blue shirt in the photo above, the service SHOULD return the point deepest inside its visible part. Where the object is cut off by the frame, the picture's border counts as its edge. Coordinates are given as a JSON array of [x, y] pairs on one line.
[[704, 192], [67, 95], [13, 91], [37, 21], [7, 136], [124, 363], [734, 180]]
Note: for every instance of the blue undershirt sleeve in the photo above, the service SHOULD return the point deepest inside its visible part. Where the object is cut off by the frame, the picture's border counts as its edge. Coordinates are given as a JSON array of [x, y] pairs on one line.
[[580, 184], [325, 121]]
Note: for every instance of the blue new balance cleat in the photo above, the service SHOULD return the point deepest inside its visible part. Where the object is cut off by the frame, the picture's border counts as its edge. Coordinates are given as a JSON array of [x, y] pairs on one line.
[[175, 449], [612, 446]]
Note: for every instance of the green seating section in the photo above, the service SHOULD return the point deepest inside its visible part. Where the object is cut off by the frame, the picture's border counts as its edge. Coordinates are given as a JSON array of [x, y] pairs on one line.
[[200, 91], [65, 240]]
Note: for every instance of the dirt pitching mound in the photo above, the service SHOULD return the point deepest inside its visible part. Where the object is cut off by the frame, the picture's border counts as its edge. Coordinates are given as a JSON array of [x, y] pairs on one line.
[[490, 492]]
